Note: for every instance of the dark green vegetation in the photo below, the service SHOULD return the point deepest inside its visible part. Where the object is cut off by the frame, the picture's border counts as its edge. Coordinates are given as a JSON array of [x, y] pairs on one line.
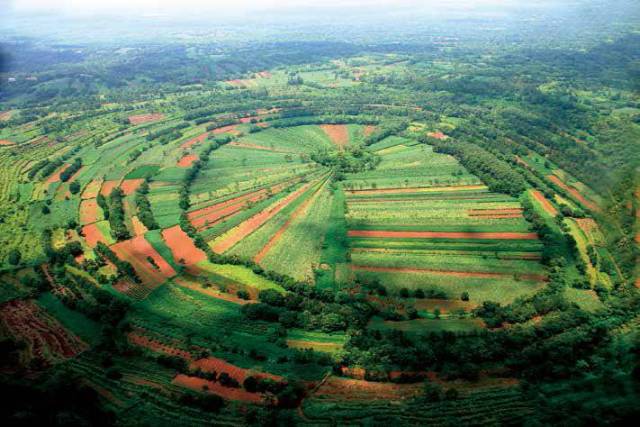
[[432, 232]]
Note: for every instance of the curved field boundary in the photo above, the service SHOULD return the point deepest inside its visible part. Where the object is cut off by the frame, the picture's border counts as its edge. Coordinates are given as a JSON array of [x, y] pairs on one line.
[[236, 234], [92, 189], [300, 211], [546, 204], [442, 235], [182, 247], [574, 193], [45, 338], [418, 189], [478, 274], [338, 134], [187, 160], [136, 251]]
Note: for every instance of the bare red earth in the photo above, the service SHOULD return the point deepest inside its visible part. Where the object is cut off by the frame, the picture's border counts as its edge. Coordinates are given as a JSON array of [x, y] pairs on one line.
[[256, 221], [187, 160], [338, 134], [198, 139], [546, 205], [145, 118], [182, 247], [129, 186], [107, 187], [6, 142], [88, 211], [93, 235], [56, 175], [300, 211], [437, 135], [136, 251], [575, 193], [205, 386], [45, 338], [441, 235]]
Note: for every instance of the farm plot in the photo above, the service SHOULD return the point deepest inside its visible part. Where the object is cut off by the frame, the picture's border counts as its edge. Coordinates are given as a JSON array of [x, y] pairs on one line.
[[46, 340], [90, 212], [237, 234], [152, 269], [448, 235], [182, 247]]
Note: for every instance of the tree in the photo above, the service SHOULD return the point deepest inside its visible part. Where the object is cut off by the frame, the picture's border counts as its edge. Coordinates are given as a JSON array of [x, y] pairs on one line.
[[74, 187], [14, 257], [464, 296], [46, 210]]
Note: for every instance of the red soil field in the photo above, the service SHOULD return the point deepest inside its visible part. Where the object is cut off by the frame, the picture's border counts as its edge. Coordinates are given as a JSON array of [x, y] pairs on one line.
[[437, 135], [136, 251], [56, 175], [368, 130], [264, 74], [300, 211], [198, 139], [129, 186], [144, 341], [418, 189], [479, 274], [92, 189], [574, 193], [187, 160], [232, 129], [255, 147], [201, 385], [46, 339], [145, 118], [346, 389], [546, 205], [138, 227], [93, 235], [88, 211], [256, 221], [208, 216], [182, 247], [5, 142], [107, 187], [338, 134], [5, 115], [195, 286], [441, 235]]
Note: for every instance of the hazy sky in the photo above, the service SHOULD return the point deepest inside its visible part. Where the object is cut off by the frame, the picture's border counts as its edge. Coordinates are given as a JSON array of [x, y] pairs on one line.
[[240, 6]]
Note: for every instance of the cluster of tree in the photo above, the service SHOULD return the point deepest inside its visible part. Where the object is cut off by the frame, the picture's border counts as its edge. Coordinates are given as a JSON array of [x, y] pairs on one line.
[[497, 174], [351, 160], [116, 215], [195, 168], [168, 134], [310, 309], [386, 130], [72, 169], [104, 205], [145, 214], [124, 267], [46, 167]]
